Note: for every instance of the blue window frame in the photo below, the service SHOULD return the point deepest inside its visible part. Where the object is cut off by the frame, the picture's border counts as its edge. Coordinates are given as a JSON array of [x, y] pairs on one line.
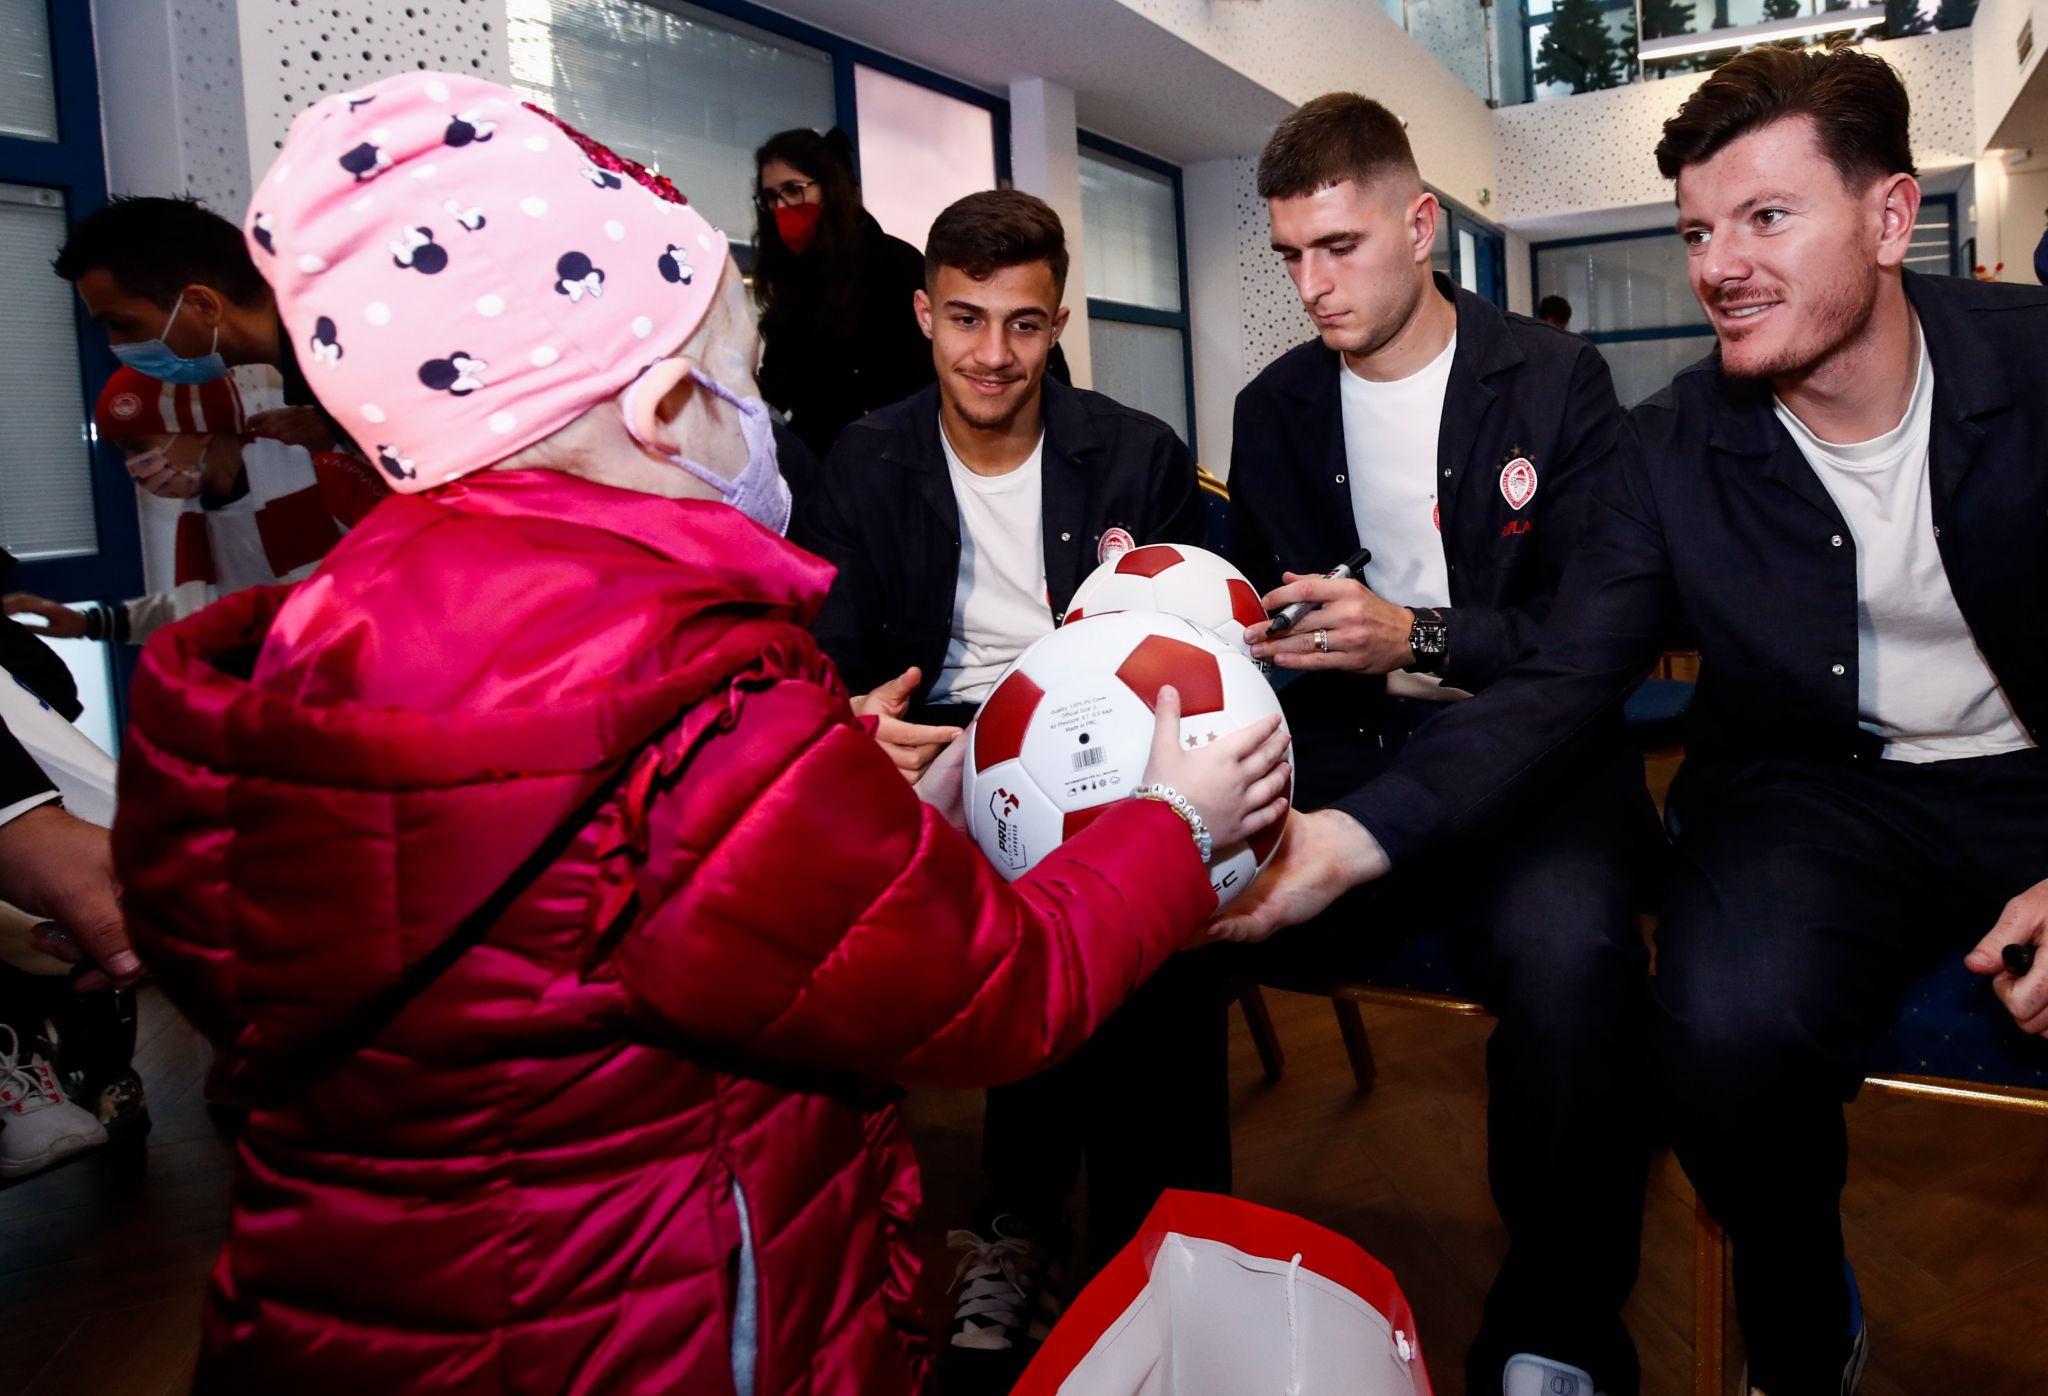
[[1471, 251], [73, 166], [1664, 330], [846, 54], [1122, 312]]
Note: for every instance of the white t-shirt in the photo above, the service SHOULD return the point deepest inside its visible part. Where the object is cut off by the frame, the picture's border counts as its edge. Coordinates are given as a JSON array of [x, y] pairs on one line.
[[1922, 683], [1000, 604], [1390, 441]]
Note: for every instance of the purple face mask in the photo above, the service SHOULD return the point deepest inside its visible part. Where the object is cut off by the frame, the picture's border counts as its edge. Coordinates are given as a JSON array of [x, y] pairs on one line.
[[758, 491]]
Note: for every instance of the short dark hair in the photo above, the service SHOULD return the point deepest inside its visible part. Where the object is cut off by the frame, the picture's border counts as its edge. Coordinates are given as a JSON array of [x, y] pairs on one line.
[[155, 248], [997, 228], [1335, 137], [1555, 308], [1855, 100]]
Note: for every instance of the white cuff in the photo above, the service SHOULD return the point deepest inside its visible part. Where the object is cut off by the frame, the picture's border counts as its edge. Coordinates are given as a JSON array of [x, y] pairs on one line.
[[20, 807]]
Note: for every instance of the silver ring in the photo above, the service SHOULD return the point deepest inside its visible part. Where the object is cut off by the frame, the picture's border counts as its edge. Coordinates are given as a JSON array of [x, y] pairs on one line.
[[1323, 641]]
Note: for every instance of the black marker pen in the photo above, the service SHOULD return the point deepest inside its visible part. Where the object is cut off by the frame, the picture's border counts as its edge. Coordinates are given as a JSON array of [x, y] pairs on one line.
[[1288, 616]]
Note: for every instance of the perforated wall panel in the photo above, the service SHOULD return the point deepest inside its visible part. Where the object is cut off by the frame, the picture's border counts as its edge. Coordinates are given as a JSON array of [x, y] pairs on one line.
[[213, 137], [1274, 321], [297, 51], [1597, 151]]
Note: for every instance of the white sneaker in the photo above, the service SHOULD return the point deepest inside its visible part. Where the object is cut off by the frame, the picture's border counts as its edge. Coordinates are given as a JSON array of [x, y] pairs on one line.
[[41, 1128], [1530, 1375]]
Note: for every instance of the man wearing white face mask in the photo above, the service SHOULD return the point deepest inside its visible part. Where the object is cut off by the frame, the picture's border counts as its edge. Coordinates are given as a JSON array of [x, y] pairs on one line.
[[562, 916]]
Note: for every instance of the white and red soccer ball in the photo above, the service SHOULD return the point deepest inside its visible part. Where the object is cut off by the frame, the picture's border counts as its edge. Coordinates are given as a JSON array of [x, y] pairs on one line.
[[1068, 730], [1179, 580]]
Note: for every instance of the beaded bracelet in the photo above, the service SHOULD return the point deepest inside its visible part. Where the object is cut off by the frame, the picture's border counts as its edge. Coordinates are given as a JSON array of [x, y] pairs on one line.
[[1179, 804]]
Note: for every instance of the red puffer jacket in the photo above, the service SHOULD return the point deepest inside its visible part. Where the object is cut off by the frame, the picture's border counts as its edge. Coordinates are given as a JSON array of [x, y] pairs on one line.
[[537, 1177]]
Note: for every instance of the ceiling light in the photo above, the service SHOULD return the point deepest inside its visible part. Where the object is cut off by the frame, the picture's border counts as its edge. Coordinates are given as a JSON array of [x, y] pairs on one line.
[[1771, 31]]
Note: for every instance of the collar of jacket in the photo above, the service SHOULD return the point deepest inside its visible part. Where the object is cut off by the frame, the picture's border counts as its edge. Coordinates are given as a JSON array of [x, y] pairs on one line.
[[753, 565], [1065, 465], [1969, 379], [1969, 382], [1485, 349]]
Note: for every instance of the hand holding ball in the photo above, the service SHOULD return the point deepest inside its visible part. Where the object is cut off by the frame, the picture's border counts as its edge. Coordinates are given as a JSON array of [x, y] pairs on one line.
[[1071, 728]]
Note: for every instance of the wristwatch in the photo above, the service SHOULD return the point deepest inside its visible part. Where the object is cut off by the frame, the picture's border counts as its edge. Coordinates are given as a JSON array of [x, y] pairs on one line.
[[1430, 638]]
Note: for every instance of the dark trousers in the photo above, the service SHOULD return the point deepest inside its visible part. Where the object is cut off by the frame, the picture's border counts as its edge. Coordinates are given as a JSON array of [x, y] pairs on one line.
[[1541, 915], [1145, 1101], [1803, 900]]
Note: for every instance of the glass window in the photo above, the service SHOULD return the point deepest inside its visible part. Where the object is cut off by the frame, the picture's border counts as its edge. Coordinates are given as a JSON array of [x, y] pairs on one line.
[[1468, 260], [1643, 366], [28, 95], [686, 92], [1131, 231], [1933, 247], [1142, 366], [46, 506], [1619, 22], [1458, 34], [920, 151], [1621, 284]]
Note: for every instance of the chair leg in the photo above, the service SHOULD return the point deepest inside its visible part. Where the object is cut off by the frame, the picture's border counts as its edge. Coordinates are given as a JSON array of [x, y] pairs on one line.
[[1357, 1046], [1709, 1269], [1252, 999]]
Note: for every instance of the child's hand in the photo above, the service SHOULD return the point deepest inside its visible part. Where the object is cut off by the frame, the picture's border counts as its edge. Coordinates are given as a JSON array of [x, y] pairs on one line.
[[1237, 783]]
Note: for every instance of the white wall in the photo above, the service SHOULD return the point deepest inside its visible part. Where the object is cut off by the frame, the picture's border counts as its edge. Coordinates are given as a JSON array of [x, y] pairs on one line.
[[292, 56], [2020, 224], [1597, 151], [1045, 159], [2012, 209], [1994, 38], [1303, 48], [1209, 200], [171, 99], [1241, 304]]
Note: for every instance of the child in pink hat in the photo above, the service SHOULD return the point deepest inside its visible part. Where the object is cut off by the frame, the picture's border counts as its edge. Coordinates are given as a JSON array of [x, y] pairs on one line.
[[564, 920]]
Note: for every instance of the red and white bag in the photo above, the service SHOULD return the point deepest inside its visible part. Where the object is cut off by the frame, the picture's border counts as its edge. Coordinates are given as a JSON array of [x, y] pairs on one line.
[[1218, 1297]]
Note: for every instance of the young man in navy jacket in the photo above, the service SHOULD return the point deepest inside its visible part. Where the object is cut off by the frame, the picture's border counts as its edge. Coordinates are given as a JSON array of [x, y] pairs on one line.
[[1460, 444], [961, 521], [1844, 508]]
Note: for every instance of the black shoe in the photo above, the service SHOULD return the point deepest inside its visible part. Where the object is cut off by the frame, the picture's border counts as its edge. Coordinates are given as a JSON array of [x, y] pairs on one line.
[[1010, 1295]]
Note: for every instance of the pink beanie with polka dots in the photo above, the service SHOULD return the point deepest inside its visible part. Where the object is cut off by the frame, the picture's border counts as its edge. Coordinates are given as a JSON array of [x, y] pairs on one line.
[[460, 280]]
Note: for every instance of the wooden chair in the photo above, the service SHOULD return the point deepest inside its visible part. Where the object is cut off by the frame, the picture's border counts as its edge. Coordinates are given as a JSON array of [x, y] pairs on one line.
[[1954, 1042]]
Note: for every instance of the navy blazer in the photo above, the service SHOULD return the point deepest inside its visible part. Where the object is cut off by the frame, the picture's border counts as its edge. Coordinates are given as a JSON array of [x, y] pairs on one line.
[[1717, 528], [882, 510], [1518, 390]]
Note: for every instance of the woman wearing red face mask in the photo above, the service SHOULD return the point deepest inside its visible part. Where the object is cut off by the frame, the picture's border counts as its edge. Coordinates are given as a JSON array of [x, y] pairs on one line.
[[834, 292]]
